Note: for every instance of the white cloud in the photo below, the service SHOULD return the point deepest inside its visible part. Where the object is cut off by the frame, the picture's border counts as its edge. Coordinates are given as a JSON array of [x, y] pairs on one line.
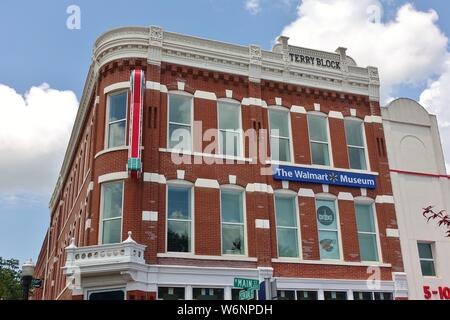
[[408, 49], [34, 132], [436, 98], [253, 6]]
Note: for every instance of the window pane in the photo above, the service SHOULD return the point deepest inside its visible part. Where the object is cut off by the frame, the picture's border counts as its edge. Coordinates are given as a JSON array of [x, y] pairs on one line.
[[280, 149], [383, 295], [179, 236], [180, 109], [286, 295], [357, 158], [233, 239], [329, 245], [425, 251], [334, 295], [317, 128], [170, 293], [353, 133], [306, 295], [230, 143], [364, 218], [116, 134], [229, 116], [285, 212], [279, 123], [319, 154], [207, 294], [362, 296], [232, 210], [112, 231], [117, 107], [107, 296], [180, 137], [112, 200], [287, 242], [427, 267], [179, 203], [326, 215], [368, 247]]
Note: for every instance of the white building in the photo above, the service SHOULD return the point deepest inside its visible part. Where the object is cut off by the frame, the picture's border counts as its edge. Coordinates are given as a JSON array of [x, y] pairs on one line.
[[419, 179]]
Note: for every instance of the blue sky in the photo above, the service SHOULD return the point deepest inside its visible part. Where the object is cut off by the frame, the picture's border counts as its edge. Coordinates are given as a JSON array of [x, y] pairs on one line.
[[36, 48]]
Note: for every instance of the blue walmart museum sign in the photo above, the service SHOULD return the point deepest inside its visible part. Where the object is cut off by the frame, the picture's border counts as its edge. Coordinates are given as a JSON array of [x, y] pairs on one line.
[[322, 176]]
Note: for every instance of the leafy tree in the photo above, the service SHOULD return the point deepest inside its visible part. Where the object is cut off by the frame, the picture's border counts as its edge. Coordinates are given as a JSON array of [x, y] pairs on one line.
[[442, 217], [10, 280]]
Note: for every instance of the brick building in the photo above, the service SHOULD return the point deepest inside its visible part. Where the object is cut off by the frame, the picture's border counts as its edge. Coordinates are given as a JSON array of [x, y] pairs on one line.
[[167, 190]]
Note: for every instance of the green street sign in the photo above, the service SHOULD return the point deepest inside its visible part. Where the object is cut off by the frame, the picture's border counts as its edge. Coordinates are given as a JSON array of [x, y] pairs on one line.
[[36, 283], [247, 294], [246, 283]]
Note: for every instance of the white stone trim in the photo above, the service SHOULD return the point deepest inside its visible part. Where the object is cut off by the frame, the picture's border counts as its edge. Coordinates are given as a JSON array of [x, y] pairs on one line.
[[205, 95], [353, 112], [205, 257], [336, 115], [149, 216], [364, 192], [345, 196], [156, 86], [285, 184], [181, 85], [117, 86], [87, 224], [254, 102], [317, 106], [262, 224], [307, 193], [278, 101], [298, 109], [97, 100], [180, 174], [332, 262], [392, 233], [105, 151], [154, 177], [325, 188], [259, 187], [113, 177], [207, 183], [373, 119], [90, 188], [384, 199], [232, 179], [229, 94]]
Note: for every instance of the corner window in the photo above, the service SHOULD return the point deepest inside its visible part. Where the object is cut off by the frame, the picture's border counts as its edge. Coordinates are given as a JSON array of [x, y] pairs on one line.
[[287, 226], [355, 144], [318, 138], [112, 207], [280, 141], [327, 226], [367, 234], [179, 219], [426, 259], [116, 120], [180, 122], [229, 116], [233, 241]]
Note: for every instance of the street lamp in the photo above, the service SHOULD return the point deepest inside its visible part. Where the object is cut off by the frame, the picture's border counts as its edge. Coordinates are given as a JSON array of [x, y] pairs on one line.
[[27, 277]]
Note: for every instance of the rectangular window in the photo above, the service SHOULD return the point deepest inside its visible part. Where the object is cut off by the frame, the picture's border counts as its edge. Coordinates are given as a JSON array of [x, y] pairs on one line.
[[280, 141], [112, 207], [232, 208], [355, 144], [362, 295], [307, 295], [327, 226], [179, 219], [383, 296], [230, 131], [286, 295], [335, 295], [208, 294], [180, 122], [287, 226], [318, 137], [426, 259], [117, 120], [166, 293], [367, 234]]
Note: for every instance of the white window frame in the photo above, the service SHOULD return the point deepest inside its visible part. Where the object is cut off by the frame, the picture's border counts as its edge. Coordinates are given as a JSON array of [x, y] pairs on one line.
[[185, 94], [239, 131], [330, 197], [433, 259], [107, 123], [291, 149], [364, 138], [236, 189], [370, 202], [294, 196], [182, 184], [328, 143], [100, 234]]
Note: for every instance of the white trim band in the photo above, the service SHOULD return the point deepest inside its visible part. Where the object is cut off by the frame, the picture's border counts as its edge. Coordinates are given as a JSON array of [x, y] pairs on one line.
[[113, 177]]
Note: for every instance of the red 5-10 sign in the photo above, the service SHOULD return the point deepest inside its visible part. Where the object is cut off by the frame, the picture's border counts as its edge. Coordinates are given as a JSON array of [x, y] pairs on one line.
[[442, 292]]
